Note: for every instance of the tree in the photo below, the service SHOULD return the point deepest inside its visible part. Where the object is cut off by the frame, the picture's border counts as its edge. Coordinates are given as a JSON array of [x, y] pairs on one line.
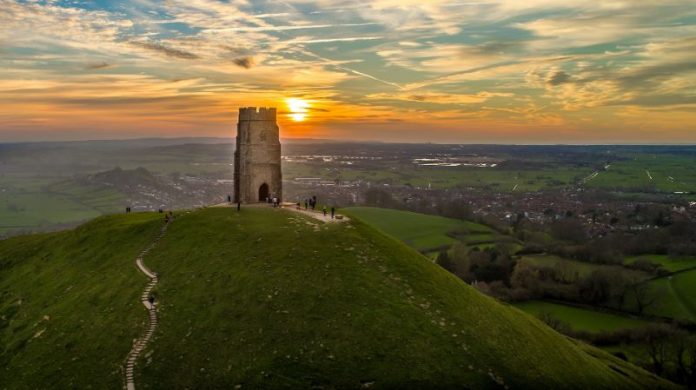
[[642, 295], [657, 338], [459, 255], [379, 198], [596, 287], [444, 261], [569, 229]]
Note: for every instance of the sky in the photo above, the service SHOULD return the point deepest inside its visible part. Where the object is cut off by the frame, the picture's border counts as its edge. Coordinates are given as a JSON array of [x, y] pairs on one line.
[[493, 71]]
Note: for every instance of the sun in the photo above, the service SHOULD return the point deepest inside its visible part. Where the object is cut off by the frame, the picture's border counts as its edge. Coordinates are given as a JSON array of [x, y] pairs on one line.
[[298, 108]]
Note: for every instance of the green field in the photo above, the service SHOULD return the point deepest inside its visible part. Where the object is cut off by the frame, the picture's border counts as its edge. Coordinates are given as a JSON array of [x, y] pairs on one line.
[[671, 264], [26, 205], [684, 286], [673, 297], [33, 211], [420, 231], [579, 319], [269, 299], [579, 268], [667, 173], [676, 296]]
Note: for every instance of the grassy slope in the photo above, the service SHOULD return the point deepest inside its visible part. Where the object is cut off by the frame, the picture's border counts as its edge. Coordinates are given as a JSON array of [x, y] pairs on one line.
[[269, 299], [581, 319], [266, 299], [69, 303], [419, 231]]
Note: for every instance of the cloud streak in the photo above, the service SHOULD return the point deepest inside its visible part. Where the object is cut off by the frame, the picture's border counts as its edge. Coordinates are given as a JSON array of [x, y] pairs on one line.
[[167, 51]]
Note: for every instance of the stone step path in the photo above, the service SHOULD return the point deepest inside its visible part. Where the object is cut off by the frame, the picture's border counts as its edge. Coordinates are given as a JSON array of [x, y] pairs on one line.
[[142, 342]]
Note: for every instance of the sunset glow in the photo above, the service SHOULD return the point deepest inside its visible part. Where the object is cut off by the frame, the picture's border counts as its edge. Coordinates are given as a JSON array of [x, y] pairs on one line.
[[298, 109], [440, 71]]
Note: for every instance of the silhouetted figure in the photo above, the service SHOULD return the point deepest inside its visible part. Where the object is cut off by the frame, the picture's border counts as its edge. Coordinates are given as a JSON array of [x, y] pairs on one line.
[[333, 212], [324, 210], [151, 299], [229, 199], [128, 209], [239, 206], [160, 211]]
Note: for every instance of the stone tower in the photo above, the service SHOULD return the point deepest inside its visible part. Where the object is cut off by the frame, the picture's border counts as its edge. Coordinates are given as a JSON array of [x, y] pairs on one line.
[[257, 172]]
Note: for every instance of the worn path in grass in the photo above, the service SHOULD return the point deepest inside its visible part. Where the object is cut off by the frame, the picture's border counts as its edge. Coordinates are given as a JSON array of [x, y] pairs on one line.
[[316, 214], [152, 312]]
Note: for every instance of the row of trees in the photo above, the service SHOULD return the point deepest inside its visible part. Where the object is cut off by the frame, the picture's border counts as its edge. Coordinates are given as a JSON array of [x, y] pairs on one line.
[[497, 273], [664, 349]]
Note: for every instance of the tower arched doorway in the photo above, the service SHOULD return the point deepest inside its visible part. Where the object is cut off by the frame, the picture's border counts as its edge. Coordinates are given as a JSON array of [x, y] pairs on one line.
[[263, 192]]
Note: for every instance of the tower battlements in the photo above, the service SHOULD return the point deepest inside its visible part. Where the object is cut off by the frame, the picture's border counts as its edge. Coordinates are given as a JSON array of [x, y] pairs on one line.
[[257, 114]]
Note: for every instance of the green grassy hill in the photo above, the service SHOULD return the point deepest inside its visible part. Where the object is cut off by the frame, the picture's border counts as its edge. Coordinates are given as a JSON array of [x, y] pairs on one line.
[[268, 299]]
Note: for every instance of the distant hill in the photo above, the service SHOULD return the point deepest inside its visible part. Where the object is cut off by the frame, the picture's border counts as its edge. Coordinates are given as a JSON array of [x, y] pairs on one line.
[[268, 299]]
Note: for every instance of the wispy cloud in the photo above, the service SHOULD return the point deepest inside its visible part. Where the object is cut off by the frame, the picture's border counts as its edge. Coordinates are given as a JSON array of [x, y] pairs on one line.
[[491, 64]]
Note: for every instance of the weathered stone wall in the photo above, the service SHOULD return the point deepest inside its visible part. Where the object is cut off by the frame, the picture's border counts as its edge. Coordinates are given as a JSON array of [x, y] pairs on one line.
[[257, 157]]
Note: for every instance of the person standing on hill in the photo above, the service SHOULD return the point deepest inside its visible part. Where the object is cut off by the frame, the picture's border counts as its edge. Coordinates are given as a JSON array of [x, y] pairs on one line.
[[239, 206], [324, 210], [333, 212]]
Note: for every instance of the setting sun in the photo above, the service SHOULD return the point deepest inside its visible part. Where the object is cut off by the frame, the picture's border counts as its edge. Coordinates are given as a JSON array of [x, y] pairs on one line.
[[298, 109]]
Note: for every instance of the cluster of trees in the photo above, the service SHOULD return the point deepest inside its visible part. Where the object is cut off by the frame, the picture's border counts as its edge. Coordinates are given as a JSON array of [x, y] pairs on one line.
[[495, 272], [664, 349], [568, 238], [488, 266], [603, 287]]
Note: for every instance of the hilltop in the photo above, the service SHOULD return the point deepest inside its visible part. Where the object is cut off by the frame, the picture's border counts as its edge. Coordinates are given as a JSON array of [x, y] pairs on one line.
[[268, 298]]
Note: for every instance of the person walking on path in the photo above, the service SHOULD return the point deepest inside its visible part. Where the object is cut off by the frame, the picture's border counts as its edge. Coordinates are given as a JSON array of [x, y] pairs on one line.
[[333, 212], [239, 206], [324, 211]]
